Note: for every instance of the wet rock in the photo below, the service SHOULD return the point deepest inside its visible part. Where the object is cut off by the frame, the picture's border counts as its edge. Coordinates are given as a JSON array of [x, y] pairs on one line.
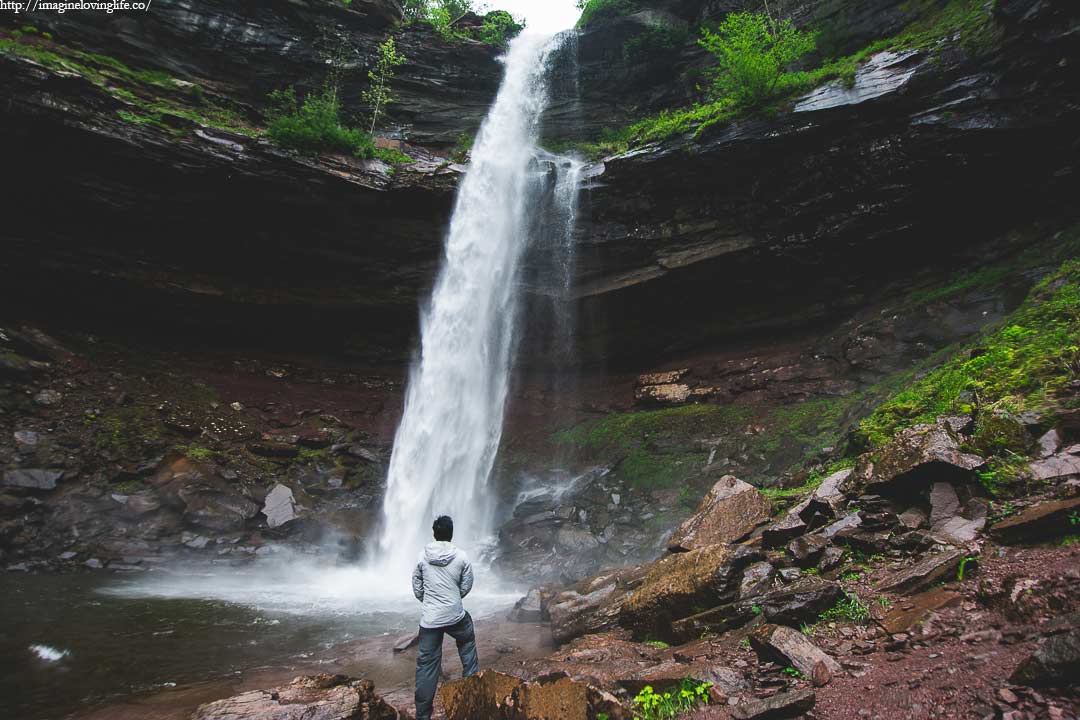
[[405, 642], [790, 574], [828, 498], [141, 503], [839, 528], [317, 697], [782, 705], [593, 605], [918, 455], [912, 519], [1055, 662], [213, 509], [280, 507], [675, 585], [791, 647], [1056, 466], [47, 397], [728, 513], [484, 695], [929, 570], [1039, 522], [528, 609], [799, 602], [944, 504], [561, 698], [32, 479], [1049, 443], [274, 450], [907, 614], [757, 579], [790, 526], [831, 559], [806, 548]]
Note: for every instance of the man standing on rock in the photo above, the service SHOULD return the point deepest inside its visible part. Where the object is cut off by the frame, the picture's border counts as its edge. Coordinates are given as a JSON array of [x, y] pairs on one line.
[[442, 577]]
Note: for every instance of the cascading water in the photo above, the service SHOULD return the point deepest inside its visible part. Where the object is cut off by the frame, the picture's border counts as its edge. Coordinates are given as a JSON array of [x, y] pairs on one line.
[[446, 443]]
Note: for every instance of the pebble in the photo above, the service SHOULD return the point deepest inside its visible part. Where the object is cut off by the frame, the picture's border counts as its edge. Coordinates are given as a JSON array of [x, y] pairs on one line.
[[1008, 696]]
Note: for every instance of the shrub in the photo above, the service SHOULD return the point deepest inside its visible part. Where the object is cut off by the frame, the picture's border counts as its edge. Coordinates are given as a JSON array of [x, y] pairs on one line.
[[651, 705], [498, 28], [379, 95], [314, 126], [594, 9], [752, 54]]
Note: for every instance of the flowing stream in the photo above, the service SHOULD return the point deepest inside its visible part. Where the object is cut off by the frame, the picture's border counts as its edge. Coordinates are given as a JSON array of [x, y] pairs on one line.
[[446, 443]]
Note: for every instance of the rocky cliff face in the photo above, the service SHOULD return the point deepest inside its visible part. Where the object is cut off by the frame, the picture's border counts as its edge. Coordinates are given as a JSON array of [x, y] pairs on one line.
[[767, 222]]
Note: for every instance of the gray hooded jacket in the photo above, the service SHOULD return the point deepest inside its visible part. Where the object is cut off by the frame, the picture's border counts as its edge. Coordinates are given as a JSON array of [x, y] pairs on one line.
[[441, 578]]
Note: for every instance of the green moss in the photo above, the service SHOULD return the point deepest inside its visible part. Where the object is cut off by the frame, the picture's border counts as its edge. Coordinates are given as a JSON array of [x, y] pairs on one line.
[[969, 23], [1021, 364], [196, 452]]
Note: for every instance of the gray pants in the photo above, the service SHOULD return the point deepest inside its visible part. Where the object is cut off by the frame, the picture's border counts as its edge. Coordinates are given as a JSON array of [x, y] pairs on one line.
[[429, 660]]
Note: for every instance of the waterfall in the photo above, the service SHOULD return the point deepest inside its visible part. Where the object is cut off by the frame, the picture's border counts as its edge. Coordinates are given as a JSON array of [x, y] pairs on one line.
[[449, 434]]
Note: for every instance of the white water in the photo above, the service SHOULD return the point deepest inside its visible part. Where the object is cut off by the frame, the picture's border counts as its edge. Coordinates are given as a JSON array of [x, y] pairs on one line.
[[446, 443], [452, 425]]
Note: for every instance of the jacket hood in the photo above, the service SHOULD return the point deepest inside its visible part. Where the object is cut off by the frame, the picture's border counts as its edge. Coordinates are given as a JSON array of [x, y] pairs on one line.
[[439, 553]]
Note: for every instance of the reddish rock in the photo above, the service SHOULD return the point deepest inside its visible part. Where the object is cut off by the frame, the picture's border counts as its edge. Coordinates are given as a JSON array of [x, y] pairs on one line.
[[922, 454], [906, 615], [318, 697], [727, 514], [784, 705], [930, 570], [791, 647], [1046, 520]]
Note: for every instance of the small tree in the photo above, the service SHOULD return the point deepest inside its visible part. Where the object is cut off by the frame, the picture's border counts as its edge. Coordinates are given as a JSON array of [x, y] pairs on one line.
[[753, 52], [379, 94]]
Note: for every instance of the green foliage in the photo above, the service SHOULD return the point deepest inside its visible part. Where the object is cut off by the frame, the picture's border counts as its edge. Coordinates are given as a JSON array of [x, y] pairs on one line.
[[1020, 365], [651, 705], [314, 125], [461, 150], [657, 644], [138, 119], [1074, 518], [792, 672], [960, 571], [196, 452], [1003, 473], [883, 602], [1070, 540], [379, 95], [751, 61], [597, 9], [498, 28], [851, 607], [752, 53]]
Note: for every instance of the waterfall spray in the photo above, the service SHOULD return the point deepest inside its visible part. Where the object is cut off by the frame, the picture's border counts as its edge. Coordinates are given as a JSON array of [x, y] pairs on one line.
[[449, 434]]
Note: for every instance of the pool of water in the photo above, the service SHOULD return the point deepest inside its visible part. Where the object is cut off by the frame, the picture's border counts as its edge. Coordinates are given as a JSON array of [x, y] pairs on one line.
[[69, 642]]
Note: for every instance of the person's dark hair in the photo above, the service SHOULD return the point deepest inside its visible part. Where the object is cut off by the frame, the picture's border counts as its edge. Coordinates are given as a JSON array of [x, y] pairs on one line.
[[443, 527]]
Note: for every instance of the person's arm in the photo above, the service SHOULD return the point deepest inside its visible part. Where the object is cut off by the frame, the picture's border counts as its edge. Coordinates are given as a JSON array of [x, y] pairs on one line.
[[418, 582], [466, 578]]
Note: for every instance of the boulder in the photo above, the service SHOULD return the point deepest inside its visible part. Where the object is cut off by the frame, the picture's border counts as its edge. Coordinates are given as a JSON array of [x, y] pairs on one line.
[[32, 479], [528, 609], [484, 695], [592, 605], [931, 569], [317, 697], [791, 647], [493, 695], [828, 498], [912, 519], [799, 602], [790, 526], [1049, 443], [918, 455], [213, 509], [944, 504], [405, 642], [728, 513], [1054, 663], [676, 585], [280, 506], [757, 579], [1039, 522], [806, 548], [1055, 466], [783, 705]]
